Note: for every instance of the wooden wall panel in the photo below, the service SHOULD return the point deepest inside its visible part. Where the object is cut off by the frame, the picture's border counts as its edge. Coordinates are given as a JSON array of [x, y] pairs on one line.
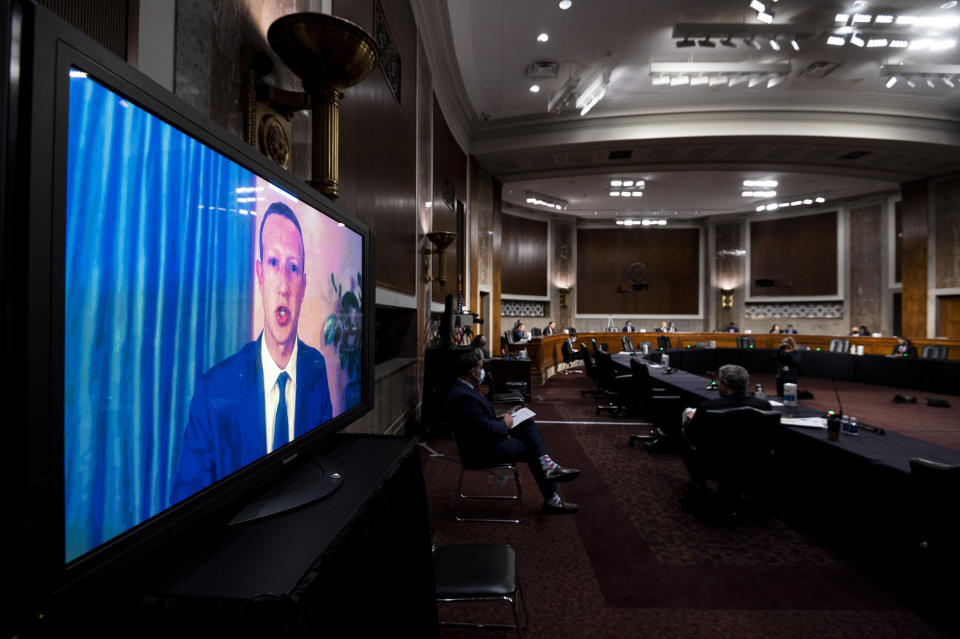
[[524, 256], [450, 173], [798, 253], [378, 148], [913, 260], [672, 258], [495, 293]]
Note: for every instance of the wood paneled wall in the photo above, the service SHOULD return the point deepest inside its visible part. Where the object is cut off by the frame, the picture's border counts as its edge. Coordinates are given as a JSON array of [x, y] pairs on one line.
[[378, 149], [672, 258], [524, 256], [496, 290], [450, 172], [798, 253], [913, 260]]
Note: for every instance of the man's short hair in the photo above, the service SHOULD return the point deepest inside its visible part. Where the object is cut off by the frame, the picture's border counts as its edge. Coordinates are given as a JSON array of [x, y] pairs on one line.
[[735, 377], [281, 209], [466, 362]]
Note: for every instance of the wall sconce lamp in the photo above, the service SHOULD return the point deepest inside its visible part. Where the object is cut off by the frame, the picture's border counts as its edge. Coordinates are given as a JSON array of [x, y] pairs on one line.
[[440, 240], [563, 296], [726, 297], [328, 54]]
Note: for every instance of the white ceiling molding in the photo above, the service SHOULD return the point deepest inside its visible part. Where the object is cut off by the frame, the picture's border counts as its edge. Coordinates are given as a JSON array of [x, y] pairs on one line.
[[433, 28]]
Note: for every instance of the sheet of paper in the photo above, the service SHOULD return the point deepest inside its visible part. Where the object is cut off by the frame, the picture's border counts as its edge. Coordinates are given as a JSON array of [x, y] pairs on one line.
[[774, 402], [804, 422], [521, 414]]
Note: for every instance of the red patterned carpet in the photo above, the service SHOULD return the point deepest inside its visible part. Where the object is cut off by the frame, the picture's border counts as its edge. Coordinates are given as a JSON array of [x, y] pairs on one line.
[[631, 563]]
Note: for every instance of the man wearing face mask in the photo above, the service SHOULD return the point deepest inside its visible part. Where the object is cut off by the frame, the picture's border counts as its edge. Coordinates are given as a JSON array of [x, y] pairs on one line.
[[486, 439]]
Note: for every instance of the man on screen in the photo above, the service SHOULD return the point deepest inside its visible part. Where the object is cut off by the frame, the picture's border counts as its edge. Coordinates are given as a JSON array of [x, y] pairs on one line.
[[274, 389]]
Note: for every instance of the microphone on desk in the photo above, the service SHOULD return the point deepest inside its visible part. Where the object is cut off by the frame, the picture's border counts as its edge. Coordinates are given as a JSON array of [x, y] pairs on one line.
[[837, 393]]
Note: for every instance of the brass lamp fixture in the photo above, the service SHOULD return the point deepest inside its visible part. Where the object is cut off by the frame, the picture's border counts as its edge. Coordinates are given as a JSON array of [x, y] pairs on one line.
[[726, 297], [440, 240], [328, 54], [564, 291]]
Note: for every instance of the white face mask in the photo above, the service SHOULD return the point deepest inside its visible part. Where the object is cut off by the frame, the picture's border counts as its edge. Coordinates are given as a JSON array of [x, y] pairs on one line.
[[482, 373]]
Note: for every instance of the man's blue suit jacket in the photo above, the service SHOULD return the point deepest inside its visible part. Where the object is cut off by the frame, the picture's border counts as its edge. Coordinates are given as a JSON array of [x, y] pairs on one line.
[[226, 428], [474, 421]]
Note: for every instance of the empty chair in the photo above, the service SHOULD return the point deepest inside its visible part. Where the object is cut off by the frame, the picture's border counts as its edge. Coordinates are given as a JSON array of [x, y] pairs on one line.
[[839, 345], [508, 335], [663, 342], [627, 343], [611, 387], [597, 347], [643, 348], [590, 364], [508, 397], [745, 341], [654, 404], [536, 332], [935, 351], [479, 572]]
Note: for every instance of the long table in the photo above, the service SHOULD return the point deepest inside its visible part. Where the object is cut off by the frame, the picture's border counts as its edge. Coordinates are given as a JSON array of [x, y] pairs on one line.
[[932, 375], [545, 352], [890, 450]]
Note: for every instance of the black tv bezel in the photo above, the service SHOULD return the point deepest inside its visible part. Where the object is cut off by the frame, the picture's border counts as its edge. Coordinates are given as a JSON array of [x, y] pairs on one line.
[[49, 47]]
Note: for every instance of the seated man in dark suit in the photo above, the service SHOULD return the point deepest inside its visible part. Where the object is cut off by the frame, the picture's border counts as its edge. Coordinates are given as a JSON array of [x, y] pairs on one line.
[[570, 351], [550, 328], [486, 439], [732, 382], [519, 332]]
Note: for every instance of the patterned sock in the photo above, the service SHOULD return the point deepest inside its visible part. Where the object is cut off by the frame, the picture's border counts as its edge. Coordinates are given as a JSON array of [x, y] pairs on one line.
[[546, 463], [555, 500]]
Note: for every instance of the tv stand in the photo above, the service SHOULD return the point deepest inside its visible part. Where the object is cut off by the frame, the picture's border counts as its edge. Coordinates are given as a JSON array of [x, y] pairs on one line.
[[356, 563], [315, 480]]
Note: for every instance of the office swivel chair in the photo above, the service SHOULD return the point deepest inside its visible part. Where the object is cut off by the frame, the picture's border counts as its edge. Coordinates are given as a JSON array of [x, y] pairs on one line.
[[509, 397], [934, 488], [627, 344], [570, 357], [745, 341], [597, 347], [839, 345], [613, 388], [735, 447], [536, 332], [935, 351], [589, 363], [663, 342], [656, 405]]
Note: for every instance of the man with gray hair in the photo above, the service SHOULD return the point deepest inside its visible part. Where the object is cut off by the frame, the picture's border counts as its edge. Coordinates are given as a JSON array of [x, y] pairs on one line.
[[732, 382]]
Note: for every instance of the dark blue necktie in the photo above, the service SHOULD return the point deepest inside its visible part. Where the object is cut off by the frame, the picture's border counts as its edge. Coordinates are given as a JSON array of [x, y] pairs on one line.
[[280, 426]]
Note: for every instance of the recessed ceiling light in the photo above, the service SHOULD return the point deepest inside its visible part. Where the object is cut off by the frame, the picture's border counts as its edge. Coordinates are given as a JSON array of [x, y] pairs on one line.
[[534, 88], [543, 37], [616, 182], [892, 81], [565, 4], [774, 44], [628, 182], [949, 5]]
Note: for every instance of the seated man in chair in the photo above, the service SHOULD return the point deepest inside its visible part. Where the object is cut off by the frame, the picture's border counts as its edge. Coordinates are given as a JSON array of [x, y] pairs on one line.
[[485, 438], [732, 382]]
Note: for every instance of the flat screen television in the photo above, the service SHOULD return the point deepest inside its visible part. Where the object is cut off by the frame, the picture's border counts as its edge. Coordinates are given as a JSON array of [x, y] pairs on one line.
[[189, 320]]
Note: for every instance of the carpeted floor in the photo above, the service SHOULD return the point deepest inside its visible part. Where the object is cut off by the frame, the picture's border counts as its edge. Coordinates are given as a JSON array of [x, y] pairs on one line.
[[631, 563]]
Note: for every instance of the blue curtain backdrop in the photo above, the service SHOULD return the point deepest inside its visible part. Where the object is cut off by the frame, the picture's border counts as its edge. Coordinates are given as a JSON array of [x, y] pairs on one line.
[[159, 286]]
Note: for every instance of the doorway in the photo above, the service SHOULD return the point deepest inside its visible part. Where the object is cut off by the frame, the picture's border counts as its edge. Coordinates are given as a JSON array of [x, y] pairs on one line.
[[949, 324]]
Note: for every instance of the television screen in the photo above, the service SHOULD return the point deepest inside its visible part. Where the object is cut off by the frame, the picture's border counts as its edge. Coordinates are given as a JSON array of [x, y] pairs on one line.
[[210, 316]]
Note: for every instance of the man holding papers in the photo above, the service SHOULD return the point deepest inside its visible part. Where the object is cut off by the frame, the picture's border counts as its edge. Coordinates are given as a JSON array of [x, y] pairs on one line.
[[486, 439]]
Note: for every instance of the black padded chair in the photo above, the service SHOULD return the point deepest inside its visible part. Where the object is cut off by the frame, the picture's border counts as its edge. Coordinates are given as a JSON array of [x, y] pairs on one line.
[[663, 342], [745, 341], [934, 488], [510, 397], [590, 365], [535, 332], [643, 348], [627, 344], [508, 335], [612, 388], [735, 447], [465, 573], [935, 351], [597, 347], [656, 405], [839, 345]]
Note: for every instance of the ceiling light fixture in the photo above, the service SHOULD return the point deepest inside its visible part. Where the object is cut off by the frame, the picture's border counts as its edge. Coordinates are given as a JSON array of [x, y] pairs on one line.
[[949, 5], [842, 18], [930, 83], [534, 88], [892, 81], [660, 80], [543, 37], [593, 94], [876, 42], [699, 81], [856, 40], [565, 4], [754, 81], [545, 201], [836, 41], [795, 44], [774, 81], [774, 44], [948, 81], [616, 182], [886, 19], [686, 42], [862, 18], [766, 17], [707, 42], [757, 6], [899, 44], [728, 42]]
